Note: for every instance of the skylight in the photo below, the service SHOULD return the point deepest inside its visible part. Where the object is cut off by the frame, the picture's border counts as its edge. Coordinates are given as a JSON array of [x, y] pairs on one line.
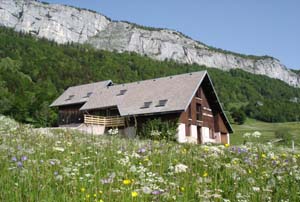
[[70, 97], [122, 92], [88, 95], [146, 105], [161, 103]]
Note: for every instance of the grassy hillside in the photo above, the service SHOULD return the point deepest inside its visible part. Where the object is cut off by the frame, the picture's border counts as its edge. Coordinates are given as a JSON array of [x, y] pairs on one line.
[[267, 131], [66, 166], [33, 72]]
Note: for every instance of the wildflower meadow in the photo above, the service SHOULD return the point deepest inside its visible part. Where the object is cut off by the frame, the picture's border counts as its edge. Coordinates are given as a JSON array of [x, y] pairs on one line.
[[62, 165]]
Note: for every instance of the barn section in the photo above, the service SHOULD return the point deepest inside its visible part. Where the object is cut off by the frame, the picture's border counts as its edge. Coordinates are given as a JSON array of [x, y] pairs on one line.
[[189, 99], [204, 119], [72, 99]]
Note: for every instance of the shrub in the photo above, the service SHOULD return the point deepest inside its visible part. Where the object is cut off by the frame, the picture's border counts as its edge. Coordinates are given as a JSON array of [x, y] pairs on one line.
[[283, 134], [238, 116], [158, 129]]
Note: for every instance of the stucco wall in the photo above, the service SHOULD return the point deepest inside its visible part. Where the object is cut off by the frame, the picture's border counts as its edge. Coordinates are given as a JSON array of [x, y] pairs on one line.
[[92, 129], [129, 132], [181, 137], [193, 138], [206, 139]]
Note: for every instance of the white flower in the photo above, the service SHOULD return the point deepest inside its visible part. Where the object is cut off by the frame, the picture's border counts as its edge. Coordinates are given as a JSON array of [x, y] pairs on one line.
[[88, 175], [61, 149], [256, 189], [132, 169], [59, 177], [155, 133], [256, 134], [180, 168], [246, 135], [146, 190], [113, 131]]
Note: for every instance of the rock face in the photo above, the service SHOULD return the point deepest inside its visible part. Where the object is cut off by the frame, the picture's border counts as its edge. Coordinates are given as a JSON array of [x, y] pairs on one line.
[[65, 24]]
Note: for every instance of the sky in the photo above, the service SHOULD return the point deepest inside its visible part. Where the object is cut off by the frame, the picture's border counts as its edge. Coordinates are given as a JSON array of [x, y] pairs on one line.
[[256, 27]]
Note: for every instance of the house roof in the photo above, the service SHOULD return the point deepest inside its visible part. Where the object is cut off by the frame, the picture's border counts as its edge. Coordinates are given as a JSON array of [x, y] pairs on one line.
[[79, 94], [175, 91], [160, 95]]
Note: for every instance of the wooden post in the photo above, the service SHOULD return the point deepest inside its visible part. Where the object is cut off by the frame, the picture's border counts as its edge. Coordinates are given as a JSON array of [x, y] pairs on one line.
[[135, 124]]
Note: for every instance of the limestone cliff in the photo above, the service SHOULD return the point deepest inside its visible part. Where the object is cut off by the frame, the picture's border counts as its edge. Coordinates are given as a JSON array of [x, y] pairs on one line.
[[68, 24]]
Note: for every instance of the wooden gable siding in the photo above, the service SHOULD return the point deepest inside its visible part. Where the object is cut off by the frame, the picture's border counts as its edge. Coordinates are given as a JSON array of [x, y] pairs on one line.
[[210, 117], [205, 120], [219, 124], [69, 114]]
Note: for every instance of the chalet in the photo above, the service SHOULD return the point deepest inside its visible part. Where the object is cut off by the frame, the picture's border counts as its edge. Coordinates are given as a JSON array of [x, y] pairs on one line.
[[188, 98]]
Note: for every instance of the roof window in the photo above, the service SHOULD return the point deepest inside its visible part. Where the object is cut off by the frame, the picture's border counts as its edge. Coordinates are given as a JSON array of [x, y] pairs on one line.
[[88, 95], [70, 97], [162, 103], [146, 105], [122, 92]]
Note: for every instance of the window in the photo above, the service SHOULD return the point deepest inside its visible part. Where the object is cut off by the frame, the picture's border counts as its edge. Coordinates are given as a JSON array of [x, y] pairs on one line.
[[161, 103], [198, 93], [190, 112], [198, 112], [88, 95], [69, 98], [146, 105], [211, 134], [188, 129], [122, 92]]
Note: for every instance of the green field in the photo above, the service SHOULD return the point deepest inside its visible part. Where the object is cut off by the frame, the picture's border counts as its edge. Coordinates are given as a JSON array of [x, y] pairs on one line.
[[267, 131], [57, 165]]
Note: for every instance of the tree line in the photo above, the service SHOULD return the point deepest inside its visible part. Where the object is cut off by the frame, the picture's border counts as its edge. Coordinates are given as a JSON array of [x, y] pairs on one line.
[[34, 72]]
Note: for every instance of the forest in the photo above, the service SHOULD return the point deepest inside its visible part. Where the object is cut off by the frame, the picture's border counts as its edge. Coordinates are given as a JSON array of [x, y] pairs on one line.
[[34, 72]]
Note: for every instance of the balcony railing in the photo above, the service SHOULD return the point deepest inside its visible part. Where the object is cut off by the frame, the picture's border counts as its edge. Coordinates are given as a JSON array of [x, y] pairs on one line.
[[107, 121]]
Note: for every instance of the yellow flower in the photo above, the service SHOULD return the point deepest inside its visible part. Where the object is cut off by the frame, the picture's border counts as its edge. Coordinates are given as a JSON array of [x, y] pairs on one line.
[[100, 192], [182, 189], [101, 200], [82, 189], [263, 156], [249, 171], [183, 151], [87, 196], [205, 174], [127, 182], [226, 145], [95, 195], [134, 194]]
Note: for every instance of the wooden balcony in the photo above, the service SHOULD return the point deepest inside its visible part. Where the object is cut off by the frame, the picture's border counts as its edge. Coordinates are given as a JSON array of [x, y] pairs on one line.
[[107, 121]]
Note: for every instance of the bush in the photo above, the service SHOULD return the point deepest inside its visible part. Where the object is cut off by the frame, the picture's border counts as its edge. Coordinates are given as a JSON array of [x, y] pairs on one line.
[[283, 134], [156, 129], [238, 116]]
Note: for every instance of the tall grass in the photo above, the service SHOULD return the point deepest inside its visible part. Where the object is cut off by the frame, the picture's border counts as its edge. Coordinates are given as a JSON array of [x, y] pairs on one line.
[[68, 166]]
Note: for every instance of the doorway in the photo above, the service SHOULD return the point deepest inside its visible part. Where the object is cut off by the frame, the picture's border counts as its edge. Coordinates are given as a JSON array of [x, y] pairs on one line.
[[199, 138]]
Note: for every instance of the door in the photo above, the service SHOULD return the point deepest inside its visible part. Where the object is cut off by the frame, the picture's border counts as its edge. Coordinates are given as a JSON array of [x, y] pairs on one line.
[[199, 135]]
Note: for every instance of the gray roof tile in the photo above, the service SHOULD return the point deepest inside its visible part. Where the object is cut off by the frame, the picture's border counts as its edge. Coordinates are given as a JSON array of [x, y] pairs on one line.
[[178, 90], [79, 94]]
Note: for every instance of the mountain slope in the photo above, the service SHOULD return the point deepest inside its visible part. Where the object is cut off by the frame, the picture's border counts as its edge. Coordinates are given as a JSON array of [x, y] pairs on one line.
[[34, 72], [65, 24]]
